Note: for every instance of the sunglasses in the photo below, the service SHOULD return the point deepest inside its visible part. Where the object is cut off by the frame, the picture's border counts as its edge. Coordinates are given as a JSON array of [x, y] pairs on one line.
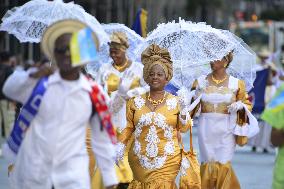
[[62, 51]]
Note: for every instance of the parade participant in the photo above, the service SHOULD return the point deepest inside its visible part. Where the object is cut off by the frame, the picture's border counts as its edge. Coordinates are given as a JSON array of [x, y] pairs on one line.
[[262, 139], [223, 122], [7, 107], [274, 115], [53, 153], [277, 139], [122, 79], [153, 119]]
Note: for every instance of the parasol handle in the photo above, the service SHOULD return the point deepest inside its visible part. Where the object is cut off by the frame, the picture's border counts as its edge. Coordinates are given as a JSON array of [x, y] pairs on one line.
[[180, 45]]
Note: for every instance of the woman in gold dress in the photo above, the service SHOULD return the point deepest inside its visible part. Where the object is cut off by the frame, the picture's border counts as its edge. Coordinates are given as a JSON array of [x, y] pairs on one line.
[[154, 119], [224, 121]]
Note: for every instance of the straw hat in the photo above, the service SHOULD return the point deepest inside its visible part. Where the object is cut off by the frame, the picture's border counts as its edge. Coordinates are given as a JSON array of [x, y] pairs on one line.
[[263, 53], [56, 30]]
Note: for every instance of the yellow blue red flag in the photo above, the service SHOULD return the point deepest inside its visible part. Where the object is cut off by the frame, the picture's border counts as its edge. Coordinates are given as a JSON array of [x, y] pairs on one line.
[[140, 23], [83, 47]]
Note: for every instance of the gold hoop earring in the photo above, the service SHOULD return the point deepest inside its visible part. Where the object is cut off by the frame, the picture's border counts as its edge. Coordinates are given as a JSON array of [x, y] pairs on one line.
[[225, 65]]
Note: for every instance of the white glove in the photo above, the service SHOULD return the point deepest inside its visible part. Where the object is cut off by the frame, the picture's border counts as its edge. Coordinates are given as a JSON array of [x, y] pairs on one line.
[[234, 107], [185, 97], [125, 83]]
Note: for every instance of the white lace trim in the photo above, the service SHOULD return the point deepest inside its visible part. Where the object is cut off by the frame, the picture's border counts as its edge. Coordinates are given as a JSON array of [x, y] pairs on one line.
[[120, 148], [171, 103], [185, 164], [155, 163], [169, 148], [151, 160], [153, 140], [137, 147], [139, 102]]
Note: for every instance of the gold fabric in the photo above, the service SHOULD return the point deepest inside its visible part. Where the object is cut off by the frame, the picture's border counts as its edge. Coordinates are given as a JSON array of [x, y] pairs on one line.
[[155, 55], [123, 172], [221, 108], [164, 176], [191, 179], [95, 175], [215, 175], [118, 40], [158, 183], [113, 81], [241, 115]]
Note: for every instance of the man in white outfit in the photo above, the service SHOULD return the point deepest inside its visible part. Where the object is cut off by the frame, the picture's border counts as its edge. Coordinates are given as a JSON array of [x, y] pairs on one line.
[[53, 153]]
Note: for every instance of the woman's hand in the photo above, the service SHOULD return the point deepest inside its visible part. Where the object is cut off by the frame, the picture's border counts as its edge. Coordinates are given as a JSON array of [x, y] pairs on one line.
[[185, 97], [235, 106], [125, 83]]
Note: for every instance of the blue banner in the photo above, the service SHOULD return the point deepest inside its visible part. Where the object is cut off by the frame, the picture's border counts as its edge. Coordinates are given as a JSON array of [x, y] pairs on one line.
[[257, 94], [27, 114]]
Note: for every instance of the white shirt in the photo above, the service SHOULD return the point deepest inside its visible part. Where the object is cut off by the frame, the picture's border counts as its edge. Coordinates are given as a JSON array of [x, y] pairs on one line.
[[53, 151]]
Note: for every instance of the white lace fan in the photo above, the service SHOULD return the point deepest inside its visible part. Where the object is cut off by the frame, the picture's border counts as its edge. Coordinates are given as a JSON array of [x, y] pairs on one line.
[[194, 45], [134, 41], [29, 21]]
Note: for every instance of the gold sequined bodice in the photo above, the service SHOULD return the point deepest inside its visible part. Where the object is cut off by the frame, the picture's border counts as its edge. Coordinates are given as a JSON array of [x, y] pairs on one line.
[[113, 81], [217, 99]]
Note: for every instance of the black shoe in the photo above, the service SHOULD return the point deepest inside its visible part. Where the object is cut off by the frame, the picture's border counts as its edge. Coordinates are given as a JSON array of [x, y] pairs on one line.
[[253, 149], [265, 151]]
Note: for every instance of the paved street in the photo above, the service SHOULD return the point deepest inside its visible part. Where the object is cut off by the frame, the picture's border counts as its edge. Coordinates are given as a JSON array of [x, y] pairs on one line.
[[254, 170]]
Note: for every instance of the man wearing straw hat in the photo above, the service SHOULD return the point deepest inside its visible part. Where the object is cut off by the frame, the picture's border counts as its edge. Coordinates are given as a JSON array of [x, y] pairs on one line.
[[53, 152]]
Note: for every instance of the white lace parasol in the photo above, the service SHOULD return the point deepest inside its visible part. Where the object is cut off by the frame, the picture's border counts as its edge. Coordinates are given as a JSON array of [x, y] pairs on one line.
[[103, 57], [29, 21], [194, 45]]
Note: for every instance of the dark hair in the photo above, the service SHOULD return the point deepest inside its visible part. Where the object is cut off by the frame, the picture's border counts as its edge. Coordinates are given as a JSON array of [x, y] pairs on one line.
[[229, 58], [5, 56]]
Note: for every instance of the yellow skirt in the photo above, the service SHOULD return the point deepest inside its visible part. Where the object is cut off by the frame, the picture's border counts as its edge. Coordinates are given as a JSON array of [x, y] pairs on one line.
[[215, 175], [155, 184], [95, 174], [123, 172]]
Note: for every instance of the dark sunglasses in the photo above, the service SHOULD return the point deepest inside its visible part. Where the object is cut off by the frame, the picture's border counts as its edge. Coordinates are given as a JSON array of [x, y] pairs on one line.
[[63, 50]]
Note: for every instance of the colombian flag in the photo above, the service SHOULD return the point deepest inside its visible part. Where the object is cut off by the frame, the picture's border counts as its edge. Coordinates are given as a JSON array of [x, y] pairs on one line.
[[274, 113], [140, 24], [83, 47]]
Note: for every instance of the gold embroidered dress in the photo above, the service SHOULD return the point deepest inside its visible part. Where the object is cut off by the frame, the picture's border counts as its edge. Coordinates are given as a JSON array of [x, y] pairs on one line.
[[155, 155], [218, 130]]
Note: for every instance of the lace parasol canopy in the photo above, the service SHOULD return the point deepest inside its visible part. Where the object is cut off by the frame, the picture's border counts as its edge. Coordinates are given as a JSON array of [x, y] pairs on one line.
[[29, 21], [194, 45]]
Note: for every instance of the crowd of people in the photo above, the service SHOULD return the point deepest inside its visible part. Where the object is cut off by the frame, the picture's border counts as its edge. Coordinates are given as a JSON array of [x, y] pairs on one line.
[[121, 129]]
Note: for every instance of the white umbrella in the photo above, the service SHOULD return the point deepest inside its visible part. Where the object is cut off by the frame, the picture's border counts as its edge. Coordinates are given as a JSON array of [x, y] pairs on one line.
[[103, 57], [194, 45], [29, 21]]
